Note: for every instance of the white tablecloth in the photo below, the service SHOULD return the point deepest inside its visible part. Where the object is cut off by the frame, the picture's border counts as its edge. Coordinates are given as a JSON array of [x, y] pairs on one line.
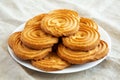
[[15, 12]]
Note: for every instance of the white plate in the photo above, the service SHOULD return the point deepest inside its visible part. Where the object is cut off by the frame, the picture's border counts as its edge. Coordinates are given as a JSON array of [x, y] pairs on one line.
[[73, 68]]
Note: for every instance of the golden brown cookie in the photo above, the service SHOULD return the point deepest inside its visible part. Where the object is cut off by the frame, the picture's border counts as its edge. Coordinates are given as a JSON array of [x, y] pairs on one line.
[[86, 22], [24, 52], [51, 62], [60, 23], [82, 57], [85, 39], [35, 38], [12, 38], [65, 11], [102, 50], [35, 21]]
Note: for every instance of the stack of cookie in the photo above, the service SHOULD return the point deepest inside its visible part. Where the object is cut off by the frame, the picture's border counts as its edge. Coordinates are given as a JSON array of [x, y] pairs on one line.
[[57, 39]]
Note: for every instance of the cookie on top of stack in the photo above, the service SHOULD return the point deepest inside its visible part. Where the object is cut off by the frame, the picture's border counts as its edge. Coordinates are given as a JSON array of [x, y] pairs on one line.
[[57, 40]]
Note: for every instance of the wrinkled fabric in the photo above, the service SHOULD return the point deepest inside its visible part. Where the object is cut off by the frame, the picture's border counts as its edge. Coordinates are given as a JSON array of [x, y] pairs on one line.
[[16, 12]]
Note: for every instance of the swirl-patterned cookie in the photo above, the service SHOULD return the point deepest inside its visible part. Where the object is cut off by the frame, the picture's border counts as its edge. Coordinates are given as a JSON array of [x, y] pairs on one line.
[[85, 39], [82, 57], [12, 38], [60, 23], [35, 38], [51, 62], [65, 11], [24, 52], [102, 50], [35, 21], [86, 22]]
